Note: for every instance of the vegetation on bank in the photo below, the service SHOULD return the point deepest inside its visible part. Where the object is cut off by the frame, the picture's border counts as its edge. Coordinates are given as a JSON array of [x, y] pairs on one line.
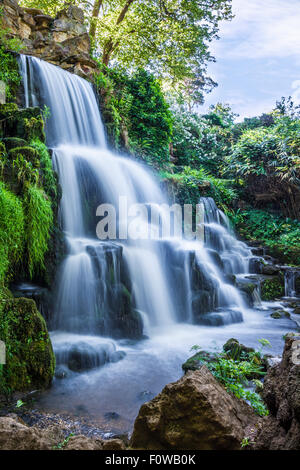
[[281, 235], [236, 367], [28, 206]]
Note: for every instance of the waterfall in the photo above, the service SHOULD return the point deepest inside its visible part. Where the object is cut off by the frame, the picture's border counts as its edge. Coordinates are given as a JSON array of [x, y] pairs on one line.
[[164, 279], [290, 277]]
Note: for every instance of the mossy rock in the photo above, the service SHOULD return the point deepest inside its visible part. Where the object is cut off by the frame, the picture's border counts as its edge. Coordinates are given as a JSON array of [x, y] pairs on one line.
[[7, 109], [29, 153], [2, 149], [196, 362], [272, 288], [25, 124], [280, 314], [29, 354], [234, 349], [13, 142]]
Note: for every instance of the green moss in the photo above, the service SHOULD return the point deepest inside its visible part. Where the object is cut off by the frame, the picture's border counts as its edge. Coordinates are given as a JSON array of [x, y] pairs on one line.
[[25, 124], [11, 230], [39, 223], [13, 142], [29, 153], [34, 128], [272, 288], [30, 360]]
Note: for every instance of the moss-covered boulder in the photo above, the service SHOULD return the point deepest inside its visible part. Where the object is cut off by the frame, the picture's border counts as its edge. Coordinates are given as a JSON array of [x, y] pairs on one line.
[[272, 287], [30, 361], [27, 152], [25, 124], [13, 142]]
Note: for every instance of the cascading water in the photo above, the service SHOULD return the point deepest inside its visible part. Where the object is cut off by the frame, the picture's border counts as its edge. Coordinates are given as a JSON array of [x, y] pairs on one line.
[[112, 288], [75, 134]]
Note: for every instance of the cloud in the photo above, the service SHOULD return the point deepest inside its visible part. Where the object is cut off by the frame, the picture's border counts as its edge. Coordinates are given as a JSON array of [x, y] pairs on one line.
[[261, 29]]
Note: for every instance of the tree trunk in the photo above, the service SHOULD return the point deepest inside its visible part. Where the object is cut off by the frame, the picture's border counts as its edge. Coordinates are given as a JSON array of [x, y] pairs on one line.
[[95, 14]]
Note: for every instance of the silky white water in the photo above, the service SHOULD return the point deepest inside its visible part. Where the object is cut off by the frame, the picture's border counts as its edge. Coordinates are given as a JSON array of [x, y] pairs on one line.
[[173, 283]]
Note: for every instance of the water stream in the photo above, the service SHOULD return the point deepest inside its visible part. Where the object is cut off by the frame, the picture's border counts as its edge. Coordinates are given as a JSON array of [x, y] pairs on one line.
[[178, 293]]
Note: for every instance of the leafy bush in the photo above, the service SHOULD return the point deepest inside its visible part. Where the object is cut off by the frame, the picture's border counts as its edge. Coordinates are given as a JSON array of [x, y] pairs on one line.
[[39, 222], [280, 234], [191, 184], [11, 230], [234, 373], [135, 112]]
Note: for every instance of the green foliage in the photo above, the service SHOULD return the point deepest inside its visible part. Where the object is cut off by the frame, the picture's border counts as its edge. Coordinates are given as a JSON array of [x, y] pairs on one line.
[[136, 113], [273, 288], [39, 222], [64, 443], [203, 141], [30, 360], [9, 70], [11, 230], [281, 235], [190, 184], [47, 177], [234, 373]]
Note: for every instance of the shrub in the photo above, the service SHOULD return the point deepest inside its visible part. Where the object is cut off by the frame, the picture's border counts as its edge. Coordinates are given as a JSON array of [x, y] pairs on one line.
[[39, 222]]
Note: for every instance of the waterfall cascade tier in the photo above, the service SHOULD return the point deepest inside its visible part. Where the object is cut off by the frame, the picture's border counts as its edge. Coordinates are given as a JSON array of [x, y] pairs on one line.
[[118, 288]]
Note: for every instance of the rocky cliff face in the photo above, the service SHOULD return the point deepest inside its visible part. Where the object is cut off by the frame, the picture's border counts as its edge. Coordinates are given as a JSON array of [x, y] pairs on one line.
[[62, 40]]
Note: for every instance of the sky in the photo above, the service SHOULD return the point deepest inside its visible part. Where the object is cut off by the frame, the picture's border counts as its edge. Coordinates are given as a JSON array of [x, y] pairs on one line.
[[258, 56]]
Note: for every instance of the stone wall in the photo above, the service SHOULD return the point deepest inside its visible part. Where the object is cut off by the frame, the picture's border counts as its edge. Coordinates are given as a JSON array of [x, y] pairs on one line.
[[62, 40]]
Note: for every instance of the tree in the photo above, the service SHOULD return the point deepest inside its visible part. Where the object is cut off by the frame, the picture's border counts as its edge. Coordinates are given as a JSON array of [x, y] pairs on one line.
[[168, 37]]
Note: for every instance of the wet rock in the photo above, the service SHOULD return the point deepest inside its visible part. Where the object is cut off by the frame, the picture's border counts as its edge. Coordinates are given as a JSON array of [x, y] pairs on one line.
[[112, 415], [197, 361], [31, 361], [258, 251], [272, 287], [194, 413], [117, 356], [297, 311], [270, 269], [220, 318], [280, 314], [146, 395], [235, 350], [255, 265], [62, 372], [17, 436], [83, 356], [281, 392]]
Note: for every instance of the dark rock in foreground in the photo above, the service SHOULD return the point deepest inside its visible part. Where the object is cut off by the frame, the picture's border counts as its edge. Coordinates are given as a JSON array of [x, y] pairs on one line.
[[194, 413], [15, 435], [281, 392]]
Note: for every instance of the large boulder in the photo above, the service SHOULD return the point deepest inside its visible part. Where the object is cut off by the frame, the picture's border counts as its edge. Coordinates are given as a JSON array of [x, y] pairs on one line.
[[16, 435], [30, 360], [281, 392], [194, 413]]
